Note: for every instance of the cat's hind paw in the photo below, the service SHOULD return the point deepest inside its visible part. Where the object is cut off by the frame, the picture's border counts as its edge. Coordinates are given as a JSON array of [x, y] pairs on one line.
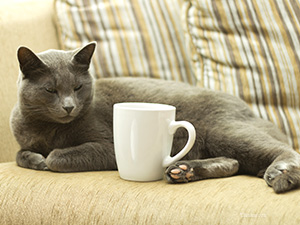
[[274, 171], [179, 173], [286, 181]]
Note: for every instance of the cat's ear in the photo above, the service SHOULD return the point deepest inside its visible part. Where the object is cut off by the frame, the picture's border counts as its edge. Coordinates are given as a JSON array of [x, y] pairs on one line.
[[83, 56], [29, 62]]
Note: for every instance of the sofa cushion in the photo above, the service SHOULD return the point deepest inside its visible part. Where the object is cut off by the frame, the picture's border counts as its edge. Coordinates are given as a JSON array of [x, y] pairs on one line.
[[39, 197], [249, 49], [135, 38]]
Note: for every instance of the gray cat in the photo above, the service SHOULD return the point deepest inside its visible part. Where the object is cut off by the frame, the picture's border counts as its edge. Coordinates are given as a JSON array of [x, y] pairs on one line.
[[63, 122]]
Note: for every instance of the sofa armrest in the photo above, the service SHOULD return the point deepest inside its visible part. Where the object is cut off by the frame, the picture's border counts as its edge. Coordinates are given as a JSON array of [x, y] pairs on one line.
[[29, 23]]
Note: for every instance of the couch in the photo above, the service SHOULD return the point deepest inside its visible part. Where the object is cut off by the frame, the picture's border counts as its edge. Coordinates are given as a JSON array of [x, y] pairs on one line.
[[44, 197]]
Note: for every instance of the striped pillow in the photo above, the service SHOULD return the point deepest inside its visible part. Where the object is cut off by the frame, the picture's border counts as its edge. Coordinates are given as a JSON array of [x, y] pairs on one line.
[[250, 48], [135, 37]]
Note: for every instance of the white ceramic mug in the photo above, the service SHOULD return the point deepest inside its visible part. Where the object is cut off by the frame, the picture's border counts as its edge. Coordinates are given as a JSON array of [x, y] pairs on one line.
[[143, 137]]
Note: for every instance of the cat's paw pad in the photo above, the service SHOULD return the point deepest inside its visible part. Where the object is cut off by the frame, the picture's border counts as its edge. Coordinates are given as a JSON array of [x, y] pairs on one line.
[[179, 173]]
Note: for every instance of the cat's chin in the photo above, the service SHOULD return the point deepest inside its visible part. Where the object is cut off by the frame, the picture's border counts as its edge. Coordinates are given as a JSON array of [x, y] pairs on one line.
[[66, 119]]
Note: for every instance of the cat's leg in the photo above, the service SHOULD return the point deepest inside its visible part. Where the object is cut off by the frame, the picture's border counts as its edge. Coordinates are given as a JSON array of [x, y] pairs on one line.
[[193, 170], [260, 150], [86, 157], [284, 173], [31, 160]]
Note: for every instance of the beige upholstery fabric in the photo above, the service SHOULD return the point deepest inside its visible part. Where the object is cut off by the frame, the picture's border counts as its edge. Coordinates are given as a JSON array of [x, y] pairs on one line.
[[250, 49], [35, 197]]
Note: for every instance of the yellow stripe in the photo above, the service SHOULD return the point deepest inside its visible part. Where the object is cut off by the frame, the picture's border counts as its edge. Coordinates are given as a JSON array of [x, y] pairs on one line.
[[212, 52], [200, 68], [292, 127], [236, 58], [180, 42], [113, 28], [197, 61], [147, 39], [263, 73], [94, 36], [135, 44], [71, 23], [161, 25], [84, 25], [265, 53], [123, 39]]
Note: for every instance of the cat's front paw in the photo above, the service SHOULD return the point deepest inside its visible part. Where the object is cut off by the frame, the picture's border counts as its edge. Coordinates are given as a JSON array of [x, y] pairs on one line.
[[179, 172], [31, 160], [61, 160], [55, 161]]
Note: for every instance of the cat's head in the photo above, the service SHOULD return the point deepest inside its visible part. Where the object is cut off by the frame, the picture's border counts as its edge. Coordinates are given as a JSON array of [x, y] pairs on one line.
[[55, 85]]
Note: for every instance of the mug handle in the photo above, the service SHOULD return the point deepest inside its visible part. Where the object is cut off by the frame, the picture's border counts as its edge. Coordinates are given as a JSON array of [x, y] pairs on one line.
[[174, 125]]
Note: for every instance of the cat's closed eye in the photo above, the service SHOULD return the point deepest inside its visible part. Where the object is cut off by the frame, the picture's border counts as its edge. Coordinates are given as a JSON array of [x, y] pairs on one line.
[[54, 91], [51, 90], [77, 88]]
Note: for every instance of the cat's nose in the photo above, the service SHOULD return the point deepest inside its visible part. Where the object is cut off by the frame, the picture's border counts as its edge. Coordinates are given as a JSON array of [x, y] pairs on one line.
[[68, 109], [68, 104]]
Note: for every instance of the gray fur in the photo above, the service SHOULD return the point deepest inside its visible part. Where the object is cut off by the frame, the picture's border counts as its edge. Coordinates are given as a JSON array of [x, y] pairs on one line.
[[63, 122]]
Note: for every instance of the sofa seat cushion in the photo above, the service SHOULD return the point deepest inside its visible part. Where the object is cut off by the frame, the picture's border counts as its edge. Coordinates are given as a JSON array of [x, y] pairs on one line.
[[38, 197], [250, 49]]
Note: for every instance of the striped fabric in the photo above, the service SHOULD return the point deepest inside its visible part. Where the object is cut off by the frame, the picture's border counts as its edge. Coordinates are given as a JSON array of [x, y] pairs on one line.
[[250, 48], [135, 37]]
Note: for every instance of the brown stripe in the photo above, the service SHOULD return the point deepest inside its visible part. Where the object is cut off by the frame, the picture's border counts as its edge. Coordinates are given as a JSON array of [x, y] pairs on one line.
[[197, 64], [287, 30], [262, 51], [164, 68], [126, 58], [272, 93], [277, 104], [80, 13], [102, 54], [228, 44], [256, 95], [72, 24], [171, 37], [164, 51], [290, 38], [95, 36], [296, 7], [146, 53], [274, 97]]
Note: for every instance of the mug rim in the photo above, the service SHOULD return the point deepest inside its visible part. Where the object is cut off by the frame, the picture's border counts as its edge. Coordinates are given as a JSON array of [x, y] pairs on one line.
[[144, 106]]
